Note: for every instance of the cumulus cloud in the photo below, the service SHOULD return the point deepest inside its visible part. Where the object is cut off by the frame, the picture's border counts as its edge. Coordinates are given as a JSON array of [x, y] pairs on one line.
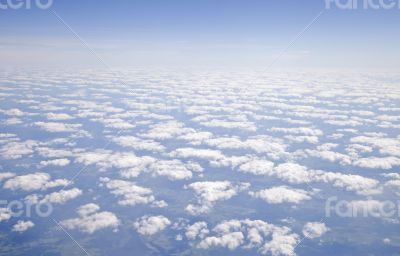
[[172, 169], [129, 193], [298, 174], [130, 164], [313, 230], [34, 181], [58, 127], [282, 194], [167, 130], [22, 226], [62, 196], [246, 234], [210, 192], [150, 225], [5, 214], [58, 116], [385, 163], [6, 175], [197, 230], [299, 130], [90, 219], [56, 162], [17, 149], [138, 143]]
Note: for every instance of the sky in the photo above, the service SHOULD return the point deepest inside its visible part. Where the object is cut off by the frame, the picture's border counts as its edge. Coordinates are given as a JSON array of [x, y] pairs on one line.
[[204, 33]]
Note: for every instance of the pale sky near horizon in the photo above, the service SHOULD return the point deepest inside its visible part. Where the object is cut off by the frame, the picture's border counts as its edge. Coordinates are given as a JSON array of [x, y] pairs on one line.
[[202, 33]]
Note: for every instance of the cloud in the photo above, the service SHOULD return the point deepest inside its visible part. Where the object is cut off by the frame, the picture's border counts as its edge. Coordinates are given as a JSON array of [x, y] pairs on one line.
[[58, 127], [58, 116], [258, 167], [35, 181], [172, 169], [91, 220], [130, 193], [210, 192], [5, 214], [6, 175], [299, 130], [330, 156], [282, 194], [22, 226], [197, 230], [206, 154], [313, 230], [385, 163], [215, 123], [166, 130], [150, 225], [17, 149], [56, 162], [297, 174], [62, 196], [130, 164], [138, 143], [246, 234], [231, 241]]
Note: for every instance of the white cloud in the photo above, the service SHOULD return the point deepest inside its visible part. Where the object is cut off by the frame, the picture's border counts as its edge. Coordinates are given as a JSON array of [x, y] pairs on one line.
[[58, 127], [150, 225], [258, 167], [90, 220], [231, 241], [62, 196], [167, 130], [22, 226], [206, 154], [330, 156], [385, 163], [5, 214], [58, 116], [299, 130], [56, 162], [17, 149], [6, 175], [197, 230], [281, 245], [246, 234], [130, 193], [298, 174], [215, 123], [35, 181], [172, 169], [210, 192], [138, 143], [313, 230], [282, 194]]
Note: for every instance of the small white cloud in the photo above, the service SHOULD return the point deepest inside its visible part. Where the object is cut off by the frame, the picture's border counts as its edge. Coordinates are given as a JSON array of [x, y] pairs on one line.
[[90, 220], [22, 226], [56, 162], [282, 194], [131, 194], [35, 181], [150, 225], [210, 192], [5, 214], [58, 116], [313, 230]]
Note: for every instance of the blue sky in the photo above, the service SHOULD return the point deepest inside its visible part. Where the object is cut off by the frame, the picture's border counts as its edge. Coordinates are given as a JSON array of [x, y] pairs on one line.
[[204, 33]]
